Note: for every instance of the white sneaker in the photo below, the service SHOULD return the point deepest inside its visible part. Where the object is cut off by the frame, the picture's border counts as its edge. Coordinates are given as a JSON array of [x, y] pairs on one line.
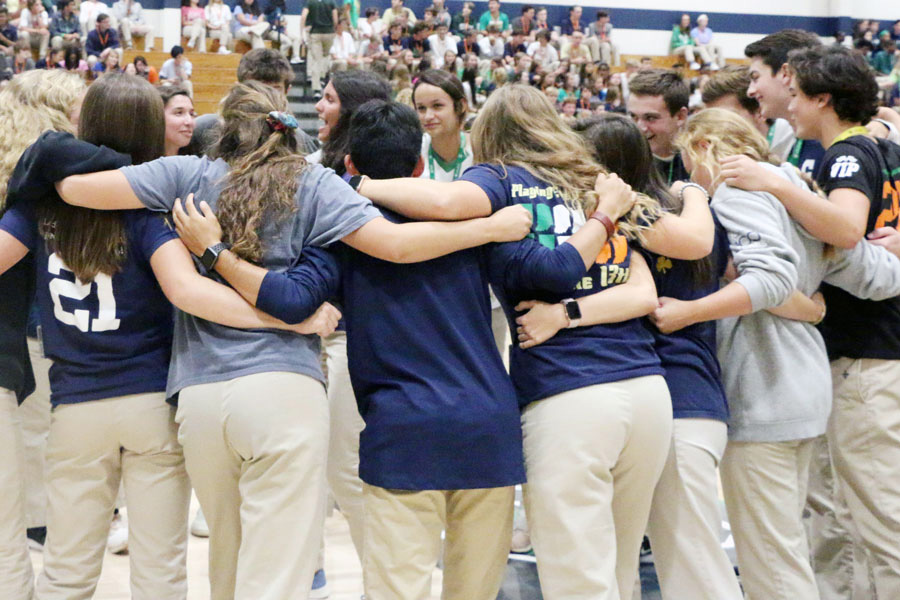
[[117, 539], [224, 50], [199, 528], [296, 60], [695, 66], [714, 67]]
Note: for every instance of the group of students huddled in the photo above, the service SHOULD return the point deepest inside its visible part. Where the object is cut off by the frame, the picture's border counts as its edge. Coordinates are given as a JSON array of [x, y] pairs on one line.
[[742, 327]]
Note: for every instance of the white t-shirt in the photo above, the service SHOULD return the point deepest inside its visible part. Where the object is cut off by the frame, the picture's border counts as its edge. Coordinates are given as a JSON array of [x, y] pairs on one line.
[[27, 20], [169, 71], [343, 47], [439, 48], [218, 15], [781, 138], [366, 29], [545, 56]]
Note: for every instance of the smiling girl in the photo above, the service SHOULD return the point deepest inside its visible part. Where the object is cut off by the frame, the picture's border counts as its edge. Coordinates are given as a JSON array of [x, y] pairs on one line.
[[440, 101], [179, 111]]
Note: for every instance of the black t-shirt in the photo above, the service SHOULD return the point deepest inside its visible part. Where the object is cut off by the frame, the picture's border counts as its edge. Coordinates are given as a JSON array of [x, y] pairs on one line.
[[672, 170], [856, 328], [17, 291], [320, 16]]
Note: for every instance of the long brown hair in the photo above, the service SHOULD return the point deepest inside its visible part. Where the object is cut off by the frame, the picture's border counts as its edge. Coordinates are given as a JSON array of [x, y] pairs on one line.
[[265, 166], [518, 126], [125, 113]]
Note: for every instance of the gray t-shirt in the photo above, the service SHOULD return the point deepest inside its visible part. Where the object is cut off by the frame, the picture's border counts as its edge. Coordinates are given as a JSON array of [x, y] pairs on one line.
[[327, 210]]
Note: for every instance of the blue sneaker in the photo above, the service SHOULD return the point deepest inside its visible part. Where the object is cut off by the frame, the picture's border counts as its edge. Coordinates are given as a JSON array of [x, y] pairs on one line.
[[319, 586]]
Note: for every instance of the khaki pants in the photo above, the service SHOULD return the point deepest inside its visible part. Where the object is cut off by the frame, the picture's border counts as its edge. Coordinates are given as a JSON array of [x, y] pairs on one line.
[[765, 491], [223, 35], [685, 521], [714, 53], [608, 53], [16, 576], [286, 42], [343, 445], [253, 34], [37, 41], [864, 431], [129, 30], [690, 54], [196, 35], [593, 457], [35, 417], [838, 560], [92, 446], [319, 59], [403, 542], [255, 448]]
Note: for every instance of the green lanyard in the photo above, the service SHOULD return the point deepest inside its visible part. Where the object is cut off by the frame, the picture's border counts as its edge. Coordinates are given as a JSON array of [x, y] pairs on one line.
[[672, 168], [456, 164], [794, 158], [771, 135]]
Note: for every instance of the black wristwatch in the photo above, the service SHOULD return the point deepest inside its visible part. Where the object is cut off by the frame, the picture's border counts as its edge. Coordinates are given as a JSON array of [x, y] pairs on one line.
[[355, 182], [211, 255], [573, 311]]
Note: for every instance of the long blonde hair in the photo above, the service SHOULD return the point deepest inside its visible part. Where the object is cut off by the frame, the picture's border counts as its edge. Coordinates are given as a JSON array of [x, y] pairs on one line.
[[715, 133], [518, 126], [30, 104], [265, 167]]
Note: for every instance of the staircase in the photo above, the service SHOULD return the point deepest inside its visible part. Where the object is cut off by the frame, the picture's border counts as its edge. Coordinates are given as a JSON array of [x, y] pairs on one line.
[[301, 101]]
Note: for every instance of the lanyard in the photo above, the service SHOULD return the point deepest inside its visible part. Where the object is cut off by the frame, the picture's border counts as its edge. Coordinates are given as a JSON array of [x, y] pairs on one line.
[[771, 135], [456, 164], [847, 133], [672, 168], [103, 38], [794, 158]]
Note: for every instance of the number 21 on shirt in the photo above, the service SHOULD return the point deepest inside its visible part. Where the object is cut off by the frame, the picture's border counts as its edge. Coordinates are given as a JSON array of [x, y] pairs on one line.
[[77, 290]]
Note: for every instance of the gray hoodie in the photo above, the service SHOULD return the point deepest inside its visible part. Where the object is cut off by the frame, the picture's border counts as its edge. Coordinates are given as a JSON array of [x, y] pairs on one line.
[[775, 371]]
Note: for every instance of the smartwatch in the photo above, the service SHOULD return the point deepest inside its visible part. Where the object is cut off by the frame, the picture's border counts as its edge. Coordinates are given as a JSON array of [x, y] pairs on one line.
[[356, 181], [573, 312], [211, 255]]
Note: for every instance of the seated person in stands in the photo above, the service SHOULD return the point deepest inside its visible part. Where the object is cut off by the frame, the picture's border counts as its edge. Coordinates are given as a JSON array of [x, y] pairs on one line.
[[22, 60], [51, 61], [371, 49], [109, 64], [130, 15], [143, 69], [441, 43], [193, 24], [177, 70], [601, 30], [394, 42], [101, 41], [572, 23], [34, 27], [683, 44], [64, 26], [372, 25], [9, 34], [576, 50], [218, 23], [418, 41], [492, 44], [515, 45], [525, 22], [398, 11], [468, 44], [543, 52], [702, 36], [493, 16], [463, 22], [73, 61], [343, 52]]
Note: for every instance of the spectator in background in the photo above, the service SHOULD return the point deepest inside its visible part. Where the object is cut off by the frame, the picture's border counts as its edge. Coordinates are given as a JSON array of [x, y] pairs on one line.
[[884, 59], [53, 59], [442, 15], [515, 45], [370, 50], [543, 52], [372, 25], [418, 41], [572, 23], [601, 30], [526, 21], [343, 50], [218, 23], [492, 44], [64, 27], [102, 40], [494, 17], [88, 12], [249, 25], [322, 16], [275, 15], [9, 34], [130, 15], [177, 70], [34, 27], [109, 64], [576, 51], [683, 44], [463, 22], [142, 69], [193, 24], [702, 36], [394, 42], [540, 20], [441, 43], [22, 60], [398, 11], [468, 44], [73, 61]]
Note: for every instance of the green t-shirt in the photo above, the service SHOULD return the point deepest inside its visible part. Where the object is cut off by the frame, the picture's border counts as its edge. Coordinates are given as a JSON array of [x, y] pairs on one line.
[[354, 11], [487, 20], [319, 18]]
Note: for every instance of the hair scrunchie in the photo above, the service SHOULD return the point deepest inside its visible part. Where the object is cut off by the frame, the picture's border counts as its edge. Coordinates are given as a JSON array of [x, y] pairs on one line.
[[281, 121]]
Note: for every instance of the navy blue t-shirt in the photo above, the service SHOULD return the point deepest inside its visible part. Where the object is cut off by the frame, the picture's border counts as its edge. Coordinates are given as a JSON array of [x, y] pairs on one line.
[[807, 156], [439, 407], [573, 358], [689, 355], [109, 337]]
